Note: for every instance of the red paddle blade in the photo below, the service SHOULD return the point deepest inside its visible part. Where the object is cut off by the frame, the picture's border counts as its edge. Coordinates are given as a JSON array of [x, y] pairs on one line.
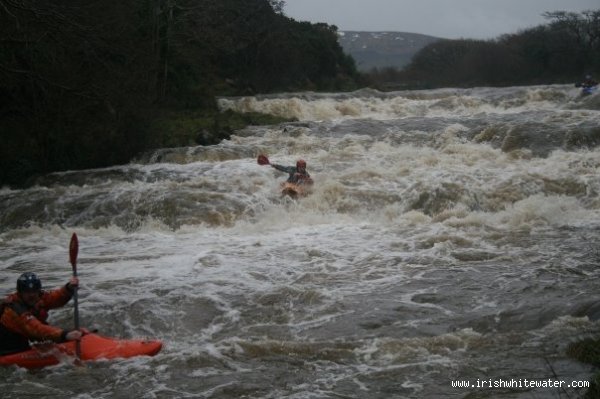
[[73, 250], [263, 160]]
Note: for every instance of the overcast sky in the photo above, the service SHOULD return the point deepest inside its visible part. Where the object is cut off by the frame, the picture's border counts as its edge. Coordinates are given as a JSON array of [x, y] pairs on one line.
[[451, 19]]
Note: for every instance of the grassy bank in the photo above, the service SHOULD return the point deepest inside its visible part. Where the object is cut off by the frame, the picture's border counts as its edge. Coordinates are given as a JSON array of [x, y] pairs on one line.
[[22, 162], [203, 127]]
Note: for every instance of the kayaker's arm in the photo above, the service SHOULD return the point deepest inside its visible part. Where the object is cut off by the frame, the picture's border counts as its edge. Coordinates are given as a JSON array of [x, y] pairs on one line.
[[57, 298], [24, 323], [286, 169]]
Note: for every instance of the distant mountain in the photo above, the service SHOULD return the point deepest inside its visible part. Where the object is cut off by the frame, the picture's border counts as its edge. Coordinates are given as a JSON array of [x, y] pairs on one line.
[[382, 49]]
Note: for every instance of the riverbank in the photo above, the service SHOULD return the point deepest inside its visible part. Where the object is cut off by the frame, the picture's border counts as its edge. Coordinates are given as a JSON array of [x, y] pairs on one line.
[[167, 129]]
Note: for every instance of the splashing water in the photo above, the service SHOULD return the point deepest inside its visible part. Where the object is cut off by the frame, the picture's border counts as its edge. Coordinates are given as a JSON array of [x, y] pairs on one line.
[[450, 235]]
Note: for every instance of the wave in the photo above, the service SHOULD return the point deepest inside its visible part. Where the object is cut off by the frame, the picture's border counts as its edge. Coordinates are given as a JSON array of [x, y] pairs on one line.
[[362, 181], [401, 104], [453, 154]]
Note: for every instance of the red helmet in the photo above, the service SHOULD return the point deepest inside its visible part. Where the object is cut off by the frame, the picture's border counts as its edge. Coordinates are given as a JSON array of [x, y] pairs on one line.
[[301, 163]]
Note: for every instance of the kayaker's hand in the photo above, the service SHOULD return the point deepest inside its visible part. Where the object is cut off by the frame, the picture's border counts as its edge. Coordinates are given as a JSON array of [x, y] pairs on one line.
[[84, 331], [74, 335], [73, 283]]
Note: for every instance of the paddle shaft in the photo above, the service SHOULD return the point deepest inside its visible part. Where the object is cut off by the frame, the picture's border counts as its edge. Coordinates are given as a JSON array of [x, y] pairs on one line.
[[76, 304], [73, 250]]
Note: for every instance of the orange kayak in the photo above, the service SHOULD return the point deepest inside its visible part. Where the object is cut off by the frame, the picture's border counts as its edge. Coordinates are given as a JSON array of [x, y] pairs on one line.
[[294, 190], [93, 347]]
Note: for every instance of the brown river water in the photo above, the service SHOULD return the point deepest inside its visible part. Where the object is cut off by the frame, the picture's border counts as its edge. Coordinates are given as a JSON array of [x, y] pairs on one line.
[[451, 235]]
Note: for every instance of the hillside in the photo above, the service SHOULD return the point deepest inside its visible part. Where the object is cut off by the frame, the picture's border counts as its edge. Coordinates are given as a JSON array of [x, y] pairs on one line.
[[382, 49]]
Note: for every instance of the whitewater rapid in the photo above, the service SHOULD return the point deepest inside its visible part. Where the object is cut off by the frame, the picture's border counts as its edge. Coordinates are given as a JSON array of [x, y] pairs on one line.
[[451, 235]]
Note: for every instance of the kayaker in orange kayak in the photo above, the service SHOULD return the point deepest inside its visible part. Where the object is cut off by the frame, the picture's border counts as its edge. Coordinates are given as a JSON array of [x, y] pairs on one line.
[[24, 314], [298, 173]]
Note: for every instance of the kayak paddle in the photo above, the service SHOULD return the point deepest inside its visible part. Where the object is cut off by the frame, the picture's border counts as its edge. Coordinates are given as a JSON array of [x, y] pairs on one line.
[[73, 250], [263, 160]]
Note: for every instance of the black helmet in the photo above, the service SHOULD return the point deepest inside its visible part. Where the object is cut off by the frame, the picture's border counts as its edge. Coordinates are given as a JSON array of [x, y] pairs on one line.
[[28, 282]]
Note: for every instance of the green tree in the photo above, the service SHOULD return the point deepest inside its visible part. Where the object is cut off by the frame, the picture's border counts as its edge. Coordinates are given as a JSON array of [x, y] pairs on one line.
[[561, 51], [84, 83]]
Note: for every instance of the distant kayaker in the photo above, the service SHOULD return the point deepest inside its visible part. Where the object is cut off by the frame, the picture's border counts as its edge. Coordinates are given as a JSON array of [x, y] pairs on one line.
[[587, 83], [24, 314], [298, 173]]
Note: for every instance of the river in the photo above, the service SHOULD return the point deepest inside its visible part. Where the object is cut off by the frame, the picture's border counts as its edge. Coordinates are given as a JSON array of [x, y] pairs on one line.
[[451, 235]]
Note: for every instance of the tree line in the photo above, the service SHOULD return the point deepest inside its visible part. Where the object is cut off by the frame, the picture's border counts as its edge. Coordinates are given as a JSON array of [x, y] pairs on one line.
[[561, 51], [91, 83]]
